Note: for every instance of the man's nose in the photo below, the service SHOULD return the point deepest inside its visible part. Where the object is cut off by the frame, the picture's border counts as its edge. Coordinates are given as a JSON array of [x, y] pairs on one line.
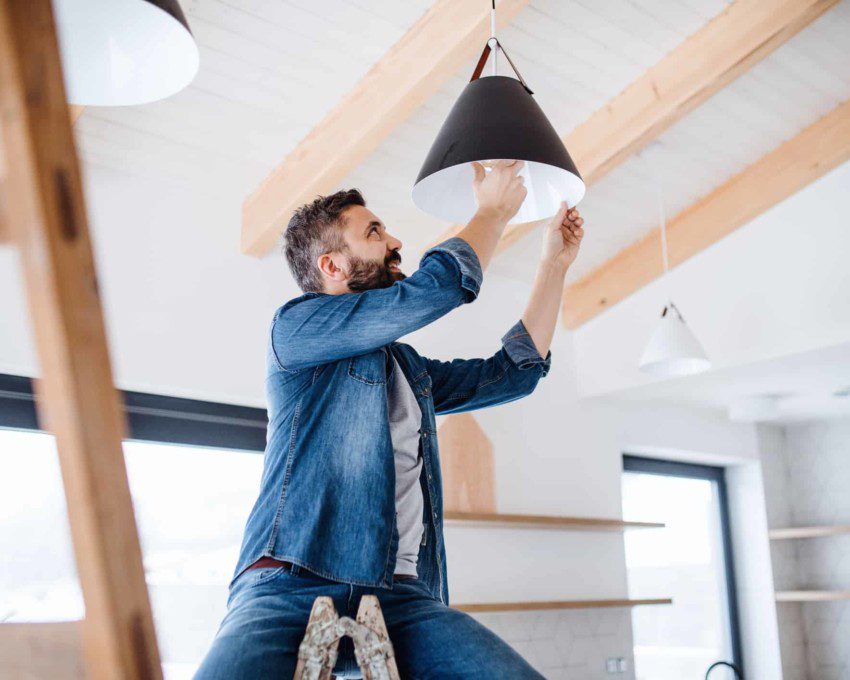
[[393, 243]]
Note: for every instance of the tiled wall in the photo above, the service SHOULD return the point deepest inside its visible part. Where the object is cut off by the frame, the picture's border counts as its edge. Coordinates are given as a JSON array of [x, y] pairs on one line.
[[568, 644], [777, 490], [806, 483]]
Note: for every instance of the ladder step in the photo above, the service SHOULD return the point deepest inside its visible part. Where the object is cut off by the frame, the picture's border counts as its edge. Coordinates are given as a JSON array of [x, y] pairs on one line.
[[42, 651]]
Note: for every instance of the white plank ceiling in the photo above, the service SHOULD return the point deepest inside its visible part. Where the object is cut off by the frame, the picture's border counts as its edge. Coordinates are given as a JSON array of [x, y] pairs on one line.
[[270, 70], [788, 91]]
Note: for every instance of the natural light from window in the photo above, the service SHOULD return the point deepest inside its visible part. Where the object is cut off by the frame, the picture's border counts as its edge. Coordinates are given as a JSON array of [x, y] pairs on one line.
[[191, 505], [683, 561]]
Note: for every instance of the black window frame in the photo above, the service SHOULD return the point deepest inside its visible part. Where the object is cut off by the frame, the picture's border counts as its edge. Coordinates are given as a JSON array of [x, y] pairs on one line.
[[153, 418], [669, 468]]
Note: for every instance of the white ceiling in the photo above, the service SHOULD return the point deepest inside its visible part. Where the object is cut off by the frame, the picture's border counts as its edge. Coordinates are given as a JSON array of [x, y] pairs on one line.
[[786, 92], [166, 180], [271, 70], [574, 55]]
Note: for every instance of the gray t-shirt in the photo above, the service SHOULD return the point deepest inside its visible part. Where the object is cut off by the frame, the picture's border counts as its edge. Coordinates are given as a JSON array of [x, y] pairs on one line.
[[405, 421]]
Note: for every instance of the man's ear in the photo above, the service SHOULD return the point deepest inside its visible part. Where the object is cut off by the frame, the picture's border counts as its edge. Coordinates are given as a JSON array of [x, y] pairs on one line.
[[329, 265]]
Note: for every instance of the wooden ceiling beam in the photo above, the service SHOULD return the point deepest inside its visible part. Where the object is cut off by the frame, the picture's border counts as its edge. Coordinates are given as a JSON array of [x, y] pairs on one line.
[[724, 49], [440, 43], [776, 176]]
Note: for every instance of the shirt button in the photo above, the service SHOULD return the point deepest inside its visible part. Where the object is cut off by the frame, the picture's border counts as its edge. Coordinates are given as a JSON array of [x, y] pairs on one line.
[[425, 391], [425, 435]]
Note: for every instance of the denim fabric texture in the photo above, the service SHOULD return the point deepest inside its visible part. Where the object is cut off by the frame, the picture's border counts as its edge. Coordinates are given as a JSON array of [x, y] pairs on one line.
[[327, 496], [268, 611]]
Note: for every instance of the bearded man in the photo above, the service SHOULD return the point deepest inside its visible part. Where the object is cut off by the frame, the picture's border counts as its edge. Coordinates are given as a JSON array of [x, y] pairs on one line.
[[350, 501]]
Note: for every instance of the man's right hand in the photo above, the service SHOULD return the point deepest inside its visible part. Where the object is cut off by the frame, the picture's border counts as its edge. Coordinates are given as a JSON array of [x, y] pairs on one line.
[[501, 191]]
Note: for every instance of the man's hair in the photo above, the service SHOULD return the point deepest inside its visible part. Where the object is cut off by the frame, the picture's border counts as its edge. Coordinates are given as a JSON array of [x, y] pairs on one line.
[[313, 231]]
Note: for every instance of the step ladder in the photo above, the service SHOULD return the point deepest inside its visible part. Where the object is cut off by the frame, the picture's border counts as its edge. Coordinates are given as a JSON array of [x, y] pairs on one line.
[[42, 213], [317, 653]]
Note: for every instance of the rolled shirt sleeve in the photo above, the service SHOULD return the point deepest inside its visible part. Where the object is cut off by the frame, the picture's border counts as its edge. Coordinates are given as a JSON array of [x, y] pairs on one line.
[[467, 263], [521, 350], [319, 328]]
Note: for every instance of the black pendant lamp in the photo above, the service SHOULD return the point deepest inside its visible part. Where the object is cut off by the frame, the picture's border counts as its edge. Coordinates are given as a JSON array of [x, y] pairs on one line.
[[496, 118], [121, 52]]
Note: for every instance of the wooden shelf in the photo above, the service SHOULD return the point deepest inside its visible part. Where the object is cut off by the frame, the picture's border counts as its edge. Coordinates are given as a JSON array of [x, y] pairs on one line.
[[811, 595], [546, 521], [562, 604], [808, 532]]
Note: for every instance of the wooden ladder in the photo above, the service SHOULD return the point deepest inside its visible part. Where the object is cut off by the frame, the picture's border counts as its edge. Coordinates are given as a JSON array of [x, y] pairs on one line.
[[317, 653], [43, 214]]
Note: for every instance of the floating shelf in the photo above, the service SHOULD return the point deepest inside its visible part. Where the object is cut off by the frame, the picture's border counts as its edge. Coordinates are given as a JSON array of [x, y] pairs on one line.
[[562, 604], [811, 595], [808, 532], [546, 521]]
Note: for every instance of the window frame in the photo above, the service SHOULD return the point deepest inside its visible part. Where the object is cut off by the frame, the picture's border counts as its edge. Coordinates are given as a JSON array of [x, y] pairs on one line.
[[153, 418], [712, 473]]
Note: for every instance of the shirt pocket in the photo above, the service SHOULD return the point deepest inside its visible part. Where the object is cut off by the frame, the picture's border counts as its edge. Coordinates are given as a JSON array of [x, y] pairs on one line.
[[370, 369], [422, 385]]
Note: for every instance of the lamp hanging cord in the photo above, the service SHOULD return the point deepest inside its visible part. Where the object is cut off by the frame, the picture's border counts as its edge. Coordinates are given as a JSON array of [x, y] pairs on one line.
[[662, 218], [493, 36]]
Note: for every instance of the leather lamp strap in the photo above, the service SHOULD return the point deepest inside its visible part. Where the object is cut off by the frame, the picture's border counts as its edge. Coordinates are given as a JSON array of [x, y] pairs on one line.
[[482, 60]]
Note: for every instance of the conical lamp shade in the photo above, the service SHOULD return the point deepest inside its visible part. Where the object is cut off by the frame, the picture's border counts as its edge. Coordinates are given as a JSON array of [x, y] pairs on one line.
[[495, 118], [122, 52], [673, 349]]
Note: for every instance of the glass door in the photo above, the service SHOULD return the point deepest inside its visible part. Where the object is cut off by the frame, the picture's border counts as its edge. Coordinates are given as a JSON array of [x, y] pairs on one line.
[[689, 560]]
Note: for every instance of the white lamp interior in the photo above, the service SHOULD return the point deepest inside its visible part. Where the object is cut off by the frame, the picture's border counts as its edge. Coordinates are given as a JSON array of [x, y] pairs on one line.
[[121, 52], [448, 194]]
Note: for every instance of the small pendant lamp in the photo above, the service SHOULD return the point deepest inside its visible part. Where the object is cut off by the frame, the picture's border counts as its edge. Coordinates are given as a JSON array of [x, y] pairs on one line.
[[673, 349], [122, 52], [496, 118]]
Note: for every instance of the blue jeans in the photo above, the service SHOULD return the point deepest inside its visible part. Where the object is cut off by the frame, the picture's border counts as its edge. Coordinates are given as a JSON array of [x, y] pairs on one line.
[[268, 611]]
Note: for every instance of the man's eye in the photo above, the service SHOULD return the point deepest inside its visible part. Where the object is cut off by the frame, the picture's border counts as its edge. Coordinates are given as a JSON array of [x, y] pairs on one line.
[[373, 230]]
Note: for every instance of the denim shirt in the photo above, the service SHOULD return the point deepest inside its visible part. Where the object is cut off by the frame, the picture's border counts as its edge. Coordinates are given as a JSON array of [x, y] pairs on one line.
[[327, 494]]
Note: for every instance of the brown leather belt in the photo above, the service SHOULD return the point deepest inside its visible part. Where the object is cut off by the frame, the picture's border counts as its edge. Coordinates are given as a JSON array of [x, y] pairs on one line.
[[272, 562], [269, 562]]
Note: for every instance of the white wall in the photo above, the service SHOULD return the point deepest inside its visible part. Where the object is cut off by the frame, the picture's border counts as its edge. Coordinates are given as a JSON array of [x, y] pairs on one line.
[[186, 313], [777, 286]]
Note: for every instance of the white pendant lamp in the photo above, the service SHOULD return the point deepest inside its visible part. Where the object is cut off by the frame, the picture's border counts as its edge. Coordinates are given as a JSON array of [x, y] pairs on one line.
[[122, 52], [673, 349], [496, 118]]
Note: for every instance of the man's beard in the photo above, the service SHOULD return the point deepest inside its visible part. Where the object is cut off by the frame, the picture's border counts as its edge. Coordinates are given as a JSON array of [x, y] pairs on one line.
[[367, 274]]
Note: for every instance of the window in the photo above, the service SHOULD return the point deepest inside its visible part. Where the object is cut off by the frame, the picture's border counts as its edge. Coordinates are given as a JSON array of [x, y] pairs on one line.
[[689, 560], [191, 503]]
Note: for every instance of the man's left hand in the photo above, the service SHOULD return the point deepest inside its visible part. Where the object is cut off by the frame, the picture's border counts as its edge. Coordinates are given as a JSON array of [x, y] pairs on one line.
[[563, 237]]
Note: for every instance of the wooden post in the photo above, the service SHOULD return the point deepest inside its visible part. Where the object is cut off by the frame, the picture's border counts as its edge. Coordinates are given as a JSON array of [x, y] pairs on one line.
[[47, 221]]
